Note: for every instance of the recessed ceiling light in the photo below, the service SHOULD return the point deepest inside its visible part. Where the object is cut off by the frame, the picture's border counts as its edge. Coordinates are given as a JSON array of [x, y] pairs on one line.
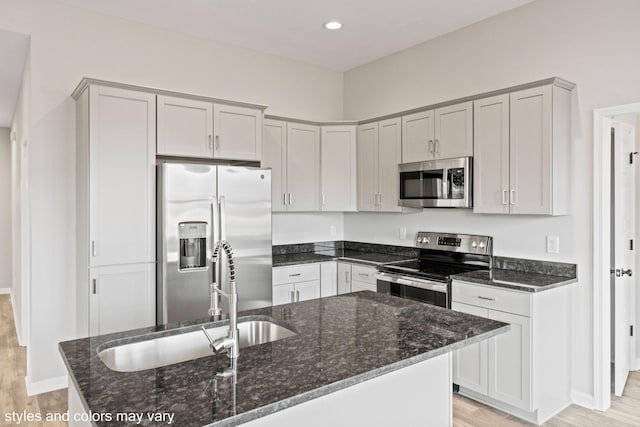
[[333, 25]]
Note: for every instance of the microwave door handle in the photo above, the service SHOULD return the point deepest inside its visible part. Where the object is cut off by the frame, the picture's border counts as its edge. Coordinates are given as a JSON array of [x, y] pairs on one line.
[[445, 184]]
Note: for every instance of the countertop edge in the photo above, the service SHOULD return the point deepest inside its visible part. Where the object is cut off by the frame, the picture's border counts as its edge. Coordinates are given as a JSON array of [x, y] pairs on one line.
[[515, 286], [329, 258], [351, 381]]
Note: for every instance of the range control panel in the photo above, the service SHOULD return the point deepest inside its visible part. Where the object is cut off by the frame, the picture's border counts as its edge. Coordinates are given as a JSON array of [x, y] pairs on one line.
[[466, 243]]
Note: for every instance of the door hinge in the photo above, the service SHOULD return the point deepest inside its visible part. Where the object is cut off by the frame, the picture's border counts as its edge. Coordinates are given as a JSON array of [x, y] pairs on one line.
[[631, 156], [631, 330], [631, 244]]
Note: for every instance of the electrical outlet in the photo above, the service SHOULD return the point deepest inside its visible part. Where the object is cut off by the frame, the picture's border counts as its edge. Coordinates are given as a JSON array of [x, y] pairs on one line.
[[553, 244], [333, 230], [402, 233]]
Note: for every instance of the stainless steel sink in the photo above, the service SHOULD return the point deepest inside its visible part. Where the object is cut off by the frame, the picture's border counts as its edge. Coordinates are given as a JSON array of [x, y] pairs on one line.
[[182, 346]]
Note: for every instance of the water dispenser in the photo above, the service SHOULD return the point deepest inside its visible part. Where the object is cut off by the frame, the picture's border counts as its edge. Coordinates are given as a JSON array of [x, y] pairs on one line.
[[193, 245]]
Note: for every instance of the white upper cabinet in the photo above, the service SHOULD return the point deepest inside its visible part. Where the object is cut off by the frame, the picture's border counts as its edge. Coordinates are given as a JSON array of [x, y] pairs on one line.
[[418, 135], [121, 172], [491, 155], [338, 168], [521, 152], [379, 153], [303, 167], [185, 127], [238, 133], [274, 156], [454, 131], [201, 129], [442, 133]]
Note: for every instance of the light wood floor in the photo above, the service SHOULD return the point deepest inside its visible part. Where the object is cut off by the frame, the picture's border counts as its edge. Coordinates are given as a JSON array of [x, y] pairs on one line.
[[624, 411]]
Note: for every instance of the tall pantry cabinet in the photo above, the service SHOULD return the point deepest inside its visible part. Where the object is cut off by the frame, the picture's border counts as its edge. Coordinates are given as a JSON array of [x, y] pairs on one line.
[[115, 180]]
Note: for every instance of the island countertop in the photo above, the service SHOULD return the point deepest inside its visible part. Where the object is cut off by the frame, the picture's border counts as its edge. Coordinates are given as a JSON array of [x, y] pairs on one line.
[[341, 341]]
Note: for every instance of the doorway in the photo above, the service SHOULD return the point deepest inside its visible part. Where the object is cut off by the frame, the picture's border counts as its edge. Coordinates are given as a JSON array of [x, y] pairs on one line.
[[607, 336]]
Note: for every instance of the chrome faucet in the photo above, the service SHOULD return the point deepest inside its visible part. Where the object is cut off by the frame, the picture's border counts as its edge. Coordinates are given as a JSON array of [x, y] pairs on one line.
[[231, 341]]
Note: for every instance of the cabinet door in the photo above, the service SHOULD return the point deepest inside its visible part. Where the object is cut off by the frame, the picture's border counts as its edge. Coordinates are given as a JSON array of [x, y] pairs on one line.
[[303, 167], [470, 363], [454, 131], [122, 134], [121, 298], [389, 156], [510, 361], [185, 127], [328, 279], [344, 278], [338, 168], [307, 290], [491, 155], [418, 137], [367, 153], [238, 133], [274, 146], [283, 294], [530, 179]]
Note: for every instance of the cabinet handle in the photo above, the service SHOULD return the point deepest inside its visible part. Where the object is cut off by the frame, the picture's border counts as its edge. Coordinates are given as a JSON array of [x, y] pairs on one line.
[[210, 143], [290, 199], [486, 298], [323, 199], [431, 147], [291, 299], [294, 275], [94, 252], [363, 274], [284, 199], [297, 296], [505, 194], [512, 197], [346, 276], [379, 199], [436, 147], [94, 286], [217, 142]]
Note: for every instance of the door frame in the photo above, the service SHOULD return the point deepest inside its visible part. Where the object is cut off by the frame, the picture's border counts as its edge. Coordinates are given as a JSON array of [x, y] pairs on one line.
[[601, 246]]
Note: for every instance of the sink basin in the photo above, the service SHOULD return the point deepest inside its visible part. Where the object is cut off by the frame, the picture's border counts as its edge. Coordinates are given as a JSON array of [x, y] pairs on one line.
[[187, 344]]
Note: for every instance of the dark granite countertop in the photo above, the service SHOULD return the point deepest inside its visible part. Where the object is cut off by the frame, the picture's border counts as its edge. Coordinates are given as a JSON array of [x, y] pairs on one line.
[[371, 258], [340, 341], [514, 279]]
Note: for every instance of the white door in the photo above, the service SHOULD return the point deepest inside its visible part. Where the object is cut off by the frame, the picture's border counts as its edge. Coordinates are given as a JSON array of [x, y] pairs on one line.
[[389, 156], [122, 298], [303, 167], [344, 278], [338, 168], [274, 146], [418, 137], [283, 294], [454, 131], [367, 153], [491, 155], [122, 127], [307, 290], [238, 133], [470, 363], [624, 217], [185, 127]]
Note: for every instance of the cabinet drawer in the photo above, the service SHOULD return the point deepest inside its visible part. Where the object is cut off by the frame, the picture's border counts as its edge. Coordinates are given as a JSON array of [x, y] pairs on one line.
[[492, 298], [363, 274], [356, 286], [296, 273]]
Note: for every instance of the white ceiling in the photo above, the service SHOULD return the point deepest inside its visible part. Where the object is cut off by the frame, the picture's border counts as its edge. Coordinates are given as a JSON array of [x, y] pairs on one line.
[[294, 28], [13, 54]]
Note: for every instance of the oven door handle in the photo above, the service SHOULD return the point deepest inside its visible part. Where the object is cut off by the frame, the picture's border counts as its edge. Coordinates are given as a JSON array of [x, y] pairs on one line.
[[410, 281]]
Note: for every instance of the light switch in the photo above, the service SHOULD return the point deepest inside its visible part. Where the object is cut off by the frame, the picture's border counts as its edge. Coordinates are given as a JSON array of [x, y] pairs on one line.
[[553, 244], [402, 233]]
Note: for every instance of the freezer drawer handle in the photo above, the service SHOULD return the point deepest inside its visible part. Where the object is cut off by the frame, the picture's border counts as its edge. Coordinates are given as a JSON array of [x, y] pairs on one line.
[[295, 275], [486, 298]]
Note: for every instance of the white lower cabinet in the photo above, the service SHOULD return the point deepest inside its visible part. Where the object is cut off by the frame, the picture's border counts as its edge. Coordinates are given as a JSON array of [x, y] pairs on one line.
[[121, 297], [328, 279], [296, 283], [500, 370], [344, 277], [362, 278]]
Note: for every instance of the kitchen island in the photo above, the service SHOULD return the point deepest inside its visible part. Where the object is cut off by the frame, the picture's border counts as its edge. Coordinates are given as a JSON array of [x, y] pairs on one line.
[[356, 359]]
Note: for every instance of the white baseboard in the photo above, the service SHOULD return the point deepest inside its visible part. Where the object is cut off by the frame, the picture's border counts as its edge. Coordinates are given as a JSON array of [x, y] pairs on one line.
[[46, 386], [21, 342], [4, 291], [583, 399]]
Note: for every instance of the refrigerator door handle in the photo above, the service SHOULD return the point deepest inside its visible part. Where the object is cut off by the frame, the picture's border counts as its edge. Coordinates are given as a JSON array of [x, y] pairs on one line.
[[223, 219], [215, 263]]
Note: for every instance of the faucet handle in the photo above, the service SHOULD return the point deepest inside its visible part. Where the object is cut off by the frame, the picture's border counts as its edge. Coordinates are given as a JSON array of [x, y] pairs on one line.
[[209, 338]]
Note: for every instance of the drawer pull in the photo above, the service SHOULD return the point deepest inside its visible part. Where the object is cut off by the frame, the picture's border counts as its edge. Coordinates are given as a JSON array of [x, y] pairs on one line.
[[486, 298], [294, 275], [363, 274]]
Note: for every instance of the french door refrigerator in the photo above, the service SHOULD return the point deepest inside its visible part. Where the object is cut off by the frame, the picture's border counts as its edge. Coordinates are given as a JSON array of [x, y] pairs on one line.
[[199, 204]]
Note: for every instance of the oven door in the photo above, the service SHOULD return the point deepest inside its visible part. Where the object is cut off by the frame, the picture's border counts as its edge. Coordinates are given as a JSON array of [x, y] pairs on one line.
[[426, 291]]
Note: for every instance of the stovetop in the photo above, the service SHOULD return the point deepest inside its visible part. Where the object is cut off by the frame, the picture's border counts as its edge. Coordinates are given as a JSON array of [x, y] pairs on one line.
[[427, 269]]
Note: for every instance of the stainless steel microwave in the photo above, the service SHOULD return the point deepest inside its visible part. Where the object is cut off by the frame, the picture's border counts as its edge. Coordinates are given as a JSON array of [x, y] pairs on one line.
[[442, 183]]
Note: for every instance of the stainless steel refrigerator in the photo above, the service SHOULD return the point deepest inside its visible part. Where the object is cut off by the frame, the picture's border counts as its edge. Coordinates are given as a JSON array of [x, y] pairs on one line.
[[199, 204]]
